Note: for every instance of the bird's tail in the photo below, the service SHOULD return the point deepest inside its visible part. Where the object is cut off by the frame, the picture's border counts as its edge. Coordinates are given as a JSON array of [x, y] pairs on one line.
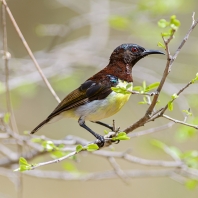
[[39, 126]]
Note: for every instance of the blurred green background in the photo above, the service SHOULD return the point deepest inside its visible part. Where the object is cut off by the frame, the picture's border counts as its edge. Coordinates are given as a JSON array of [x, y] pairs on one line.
[[71, 41]]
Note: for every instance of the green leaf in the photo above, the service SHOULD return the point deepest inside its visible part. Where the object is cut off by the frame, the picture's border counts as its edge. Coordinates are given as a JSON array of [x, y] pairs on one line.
[[129, 85], [187, 112], [144, 85], [119, 22], [161, 45], [106, 132], [121, 136], [174, 21], [158, 144], [152, 86], [195, 79], [58, 154], [174, 96], [121, 90], [170, 106], [166, 34], [191, 184], [79, 148], [142, 102], [163, 23], [24, 168], [173, 17], [6, 118], [49, 145], [137, 88], [23, 165], [92, 147], [68, 166], [23, 161]]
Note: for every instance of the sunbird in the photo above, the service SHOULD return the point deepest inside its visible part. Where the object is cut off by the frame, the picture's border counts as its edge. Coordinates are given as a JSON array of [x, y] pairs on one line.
[[94, 99]]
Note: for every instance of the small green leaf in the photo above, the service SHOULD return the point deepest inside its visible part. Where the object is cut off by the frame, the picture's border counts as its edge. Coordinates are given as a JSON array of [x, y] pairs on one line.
[[176, 23], [144, 85], [152, 86], [191, 184], [49, 145], [124, 137], [92, 147], [23, 165], [187, 112], [6, 118], [170, 106], [174, 96], [158, 144], [121, 136], [23, 161], [129, 85], [195, 79], [173, 17], [137, 88], [173, 26], [24, 168], [161, 45], [79, 148], [121, 90], [58, 154], [142, 102], [119, 22], [106, 132], [162, 23], [166, 34], [68, 166]]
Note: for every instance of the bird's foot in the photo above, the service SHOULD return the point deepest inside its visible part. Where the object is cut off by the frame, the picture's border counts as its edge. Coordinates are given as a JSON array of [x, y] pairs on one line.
[[100, 141]]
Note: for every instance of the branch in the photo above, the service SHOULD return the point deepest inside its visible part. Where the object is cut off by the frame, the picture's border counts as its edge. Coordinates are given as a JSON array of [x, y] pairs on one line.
[[6, 57], [121, 174], [180, 122], [99, 175], [29, 51]]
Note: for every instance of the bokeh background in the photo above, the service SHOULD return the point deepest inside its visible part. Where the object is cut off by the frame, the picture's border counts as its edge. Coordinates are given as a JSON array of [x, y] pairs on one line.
[[71, 41]]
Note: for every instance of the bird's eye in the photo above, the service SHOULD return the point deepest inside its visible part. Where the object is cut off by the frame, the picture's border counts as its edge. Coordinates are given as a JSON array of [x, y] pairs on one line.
[[134, 49]]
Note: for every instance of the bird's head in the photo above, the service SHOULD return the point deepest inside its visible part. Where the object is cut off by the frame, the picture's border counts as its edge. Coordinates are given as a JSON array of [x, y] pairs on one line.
[[131, 53]]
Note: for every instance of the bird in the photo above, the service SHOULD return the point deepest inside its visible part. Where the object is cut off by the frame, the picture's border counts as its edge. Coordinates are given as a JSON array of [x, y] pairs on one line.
[[94, 99]]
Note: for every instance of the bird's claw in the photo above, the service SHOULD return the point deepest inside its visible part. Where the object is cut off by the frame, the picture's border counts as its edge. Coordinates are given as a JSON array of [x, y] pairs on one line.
[[100, 141]]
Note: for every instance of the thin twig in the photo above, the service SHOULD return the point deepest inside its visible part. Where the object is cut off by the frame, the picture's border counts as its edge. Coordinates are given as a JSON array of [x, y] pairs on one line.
[[121, 174], [29, 51], [6, 57], [152, 130], [54, 161], [145, 94], [99, 175], [180, 122]]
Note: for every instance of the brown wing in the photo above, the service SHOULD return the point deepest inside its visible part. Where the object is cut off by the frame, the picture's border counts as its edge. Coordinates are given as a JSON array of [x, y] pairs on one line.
[[87, 92]]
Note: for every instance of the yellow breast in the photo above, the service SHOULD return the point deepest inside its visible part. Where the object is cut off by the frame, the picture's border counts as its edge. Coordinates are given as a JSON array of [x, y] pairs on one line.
[[117, 100]]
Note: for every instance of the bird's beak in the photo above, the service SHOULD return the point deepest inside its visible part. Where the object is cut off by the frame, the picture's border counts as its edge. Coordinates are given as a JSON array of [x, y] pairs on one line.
[[148, 52]]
